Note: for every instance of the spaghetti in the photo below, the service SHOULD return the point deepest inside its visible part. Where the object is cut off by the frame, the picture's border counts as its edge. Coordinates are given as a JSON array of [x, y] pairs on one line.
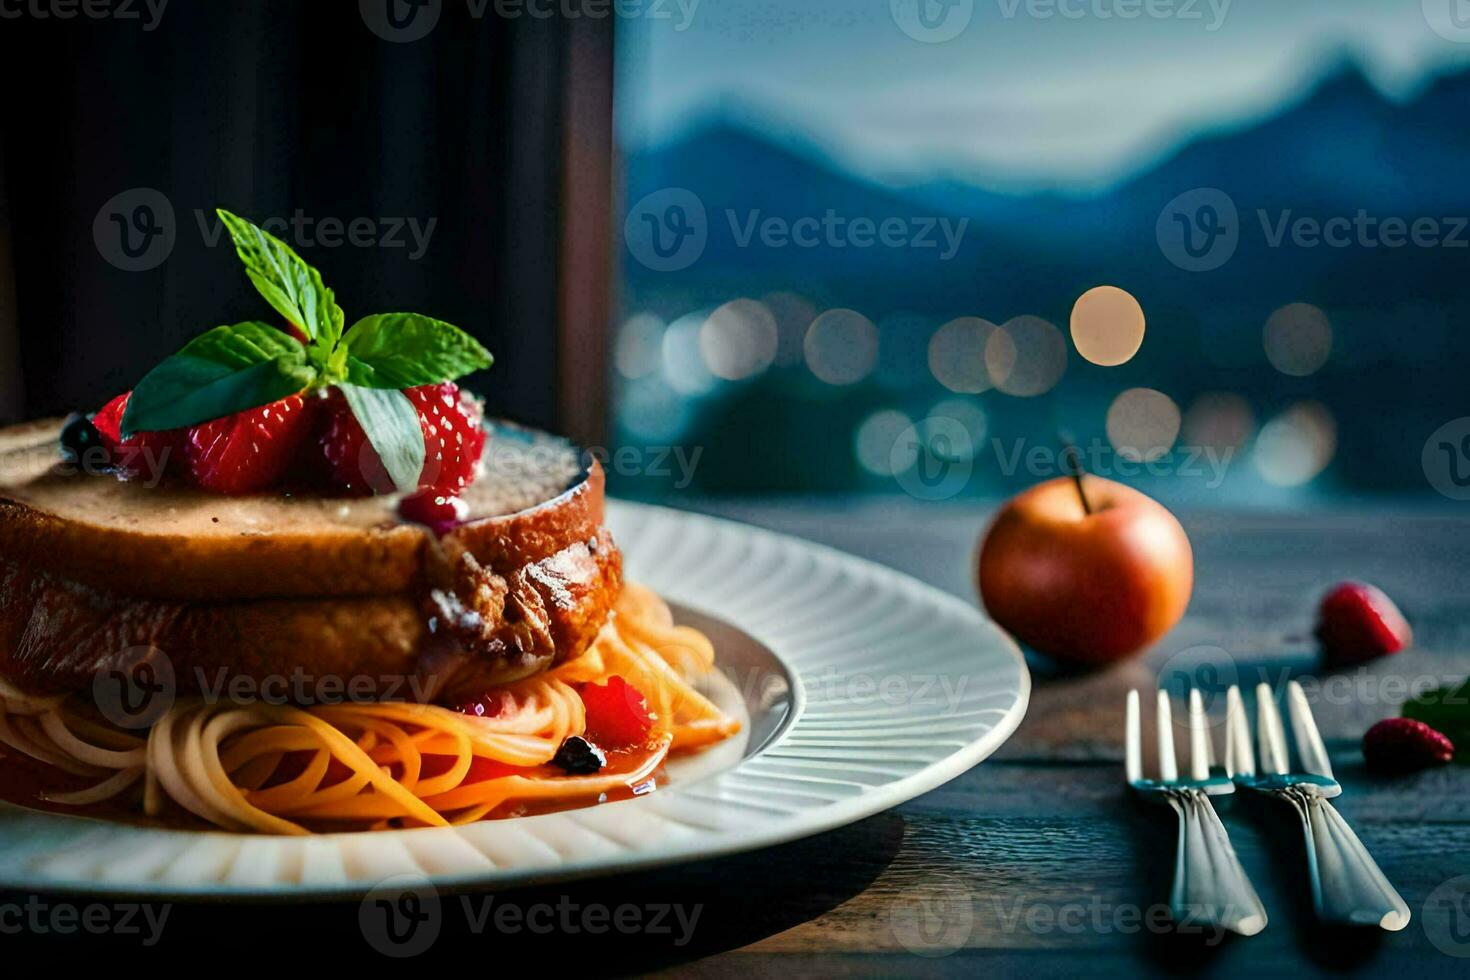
[[279, 769]]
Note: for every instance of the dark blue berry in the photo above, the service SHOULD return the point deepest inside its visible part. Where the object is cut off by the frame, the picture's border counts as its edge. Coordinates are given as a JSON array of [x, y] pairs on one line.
[[78, 436], [579, 757]]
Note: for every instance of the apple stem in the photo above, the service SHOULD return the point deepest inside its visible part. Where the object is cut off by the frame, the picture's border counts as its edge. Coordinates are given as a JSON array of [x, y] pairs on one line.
[[1075, 459]]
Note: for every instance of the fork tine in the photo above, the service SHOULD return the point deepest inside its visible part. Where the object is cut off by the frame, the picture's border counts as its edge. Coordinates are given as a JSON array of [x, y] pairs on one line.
[[1133, 741], [1199, 738], [1269, 731], [1309, 747], [1168, 769], [1239, 758]]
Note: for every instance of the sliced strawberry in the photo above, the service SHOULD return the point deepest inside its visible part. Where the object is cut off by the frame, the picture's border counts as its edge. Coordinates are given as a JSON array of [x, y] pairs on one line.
[[454, 440], [617, 713], [146, 454], [249, 451], [1357, 622]]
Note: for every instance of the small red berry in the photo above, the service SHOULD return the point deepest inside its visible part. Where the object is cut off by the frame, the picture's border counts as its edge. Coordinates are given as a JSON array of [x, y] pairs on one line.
[[1397, 745], [617, 713], [439, 512], [249, 451], [454, 440], [1357, 622], [145, 454]]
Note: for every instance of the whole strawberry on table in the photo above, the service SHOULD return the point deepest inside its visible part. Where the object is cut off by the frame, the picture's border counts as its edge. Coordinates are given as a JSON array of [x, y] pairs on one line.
[[248, 407]]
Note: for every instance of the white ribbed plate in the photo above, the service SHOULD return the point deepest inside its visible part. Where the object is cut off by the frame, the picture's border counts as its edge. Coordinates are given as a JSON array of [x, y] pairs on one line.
[[895, 688]]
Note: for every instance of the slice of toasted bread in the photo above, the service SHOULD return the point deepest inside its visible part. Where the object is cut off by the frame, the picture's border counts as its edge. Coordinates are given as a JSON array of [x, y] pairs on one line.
[[174, 542], [91, 569]]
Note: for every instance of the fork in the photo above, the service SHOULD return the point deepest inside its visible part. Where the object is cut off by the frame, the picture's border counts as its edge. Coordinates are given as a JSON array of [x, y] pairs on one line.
[[1210, 886], [1347, 886]]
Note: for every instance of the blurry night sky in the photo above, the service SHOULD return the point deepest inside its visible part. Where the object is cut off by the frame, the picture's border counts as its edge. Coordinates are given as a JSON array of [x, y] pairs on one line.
[[1068, 138]]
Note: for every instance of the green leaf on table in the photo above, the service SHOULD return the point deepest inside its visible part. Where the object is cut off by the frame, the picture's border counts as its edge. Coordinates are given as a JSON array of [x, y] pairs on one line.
[[229, 369], [405, 350], [392, 425], [1447, 710], [294, 288]]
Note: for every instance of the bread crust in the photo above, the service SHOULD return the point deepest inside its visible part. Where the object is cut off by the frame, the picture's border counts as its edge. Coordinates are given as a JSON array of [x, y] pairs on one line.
[[390, 606]]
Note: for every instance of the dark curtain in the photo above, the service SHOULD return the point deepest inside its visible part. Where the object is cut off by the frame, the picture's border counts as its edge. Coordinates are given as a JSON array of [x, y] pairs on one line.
[[279, 109]]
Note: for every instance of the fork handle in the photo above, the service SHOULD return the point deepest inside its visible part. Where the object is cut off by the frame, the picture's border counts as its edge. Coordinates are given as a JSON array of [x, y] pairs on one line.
[[1210, 886], [1348, 888]]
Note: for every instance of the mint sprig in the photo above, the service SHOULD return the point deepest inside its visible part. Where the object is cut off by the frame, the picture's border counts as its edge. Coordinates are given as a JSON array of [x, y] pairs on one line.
[[226, 370], [236, 368]]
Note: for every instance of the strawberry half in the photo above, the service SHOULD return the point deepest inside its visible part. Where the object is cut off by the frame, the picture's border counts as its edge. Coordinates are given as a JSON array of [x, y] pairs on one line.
[[454, 440], [147, 454], [617, 713], [249, 451], [1357, 622]]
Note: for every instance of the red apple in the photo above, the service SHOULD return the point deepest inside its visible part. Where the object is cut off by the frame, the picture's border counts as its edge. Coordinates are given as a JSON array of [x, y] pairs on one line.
[[1085, 588]]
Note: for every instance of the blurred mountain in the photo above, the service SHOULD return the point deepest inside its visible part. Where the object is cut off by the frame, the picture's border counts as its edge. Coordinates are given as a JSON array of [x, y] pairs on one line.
[[1341, 150]]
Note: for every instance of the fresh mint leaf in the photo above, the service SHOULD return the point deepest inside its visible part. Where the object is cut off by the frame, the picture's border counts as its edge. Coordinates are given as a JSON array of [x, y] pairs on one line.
[[294, 288], [392, 425], [405, 350], [227, 370]]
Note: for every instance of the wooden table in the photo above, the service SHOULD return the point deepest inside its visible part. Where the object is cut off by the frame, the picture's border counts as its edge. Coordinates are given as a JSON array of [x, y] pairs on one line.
[[1037, 863]]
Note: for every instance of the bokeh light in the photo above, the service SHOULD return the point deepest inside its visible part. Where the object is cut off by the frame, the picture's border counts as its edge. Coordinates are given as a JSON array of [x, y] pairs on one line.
[[1219, 420], [876, 443], [1026, 356], [738, 340], [636, 350], [654, 412], [1142, 424], [841, 347], [1298, 339], [957, 355], [793, 313], [683, 362], [1107, 325], [1296, 446]]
